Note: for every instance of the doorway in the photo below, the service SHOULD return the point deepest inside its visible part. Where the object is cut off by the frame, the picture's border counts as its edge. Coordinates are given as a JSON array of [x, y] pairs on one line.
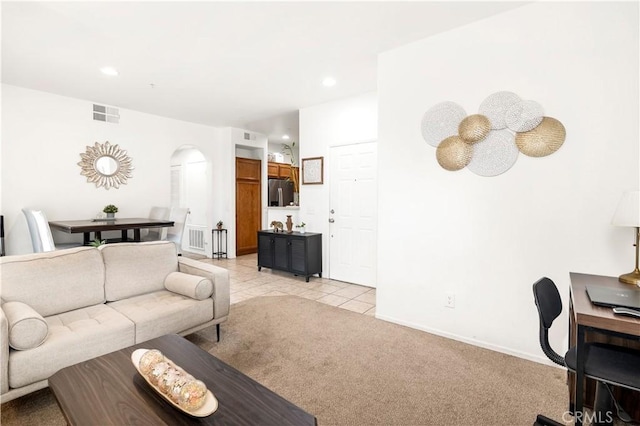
[[353, 199], [248, 205], [189, 188]]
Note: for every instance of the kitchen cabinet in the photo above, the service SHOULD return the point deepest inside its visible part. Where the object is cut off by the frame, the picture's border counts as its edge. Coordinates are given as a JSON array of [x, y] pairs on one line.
[[300, 254], [280, 170], [248, 205], [273, 170]]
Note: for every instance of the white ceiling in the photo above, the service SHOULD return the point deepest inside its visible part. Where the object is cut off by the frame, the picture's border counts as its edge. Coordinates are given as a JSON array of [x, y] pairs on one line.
[[242, 64]]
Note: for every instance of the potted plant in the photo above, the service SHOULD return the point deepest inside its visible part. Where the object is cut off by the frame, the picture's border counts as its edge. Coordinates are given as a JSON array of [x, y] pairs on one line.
[[300, 227], [110, 210], [293, 177], [97, 243], [219, 224]]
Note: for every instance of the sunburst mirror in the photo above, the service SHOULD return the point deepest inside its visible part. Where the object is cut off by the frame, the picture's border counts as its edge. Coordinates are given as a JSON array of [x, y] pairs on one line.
[[106, 165]]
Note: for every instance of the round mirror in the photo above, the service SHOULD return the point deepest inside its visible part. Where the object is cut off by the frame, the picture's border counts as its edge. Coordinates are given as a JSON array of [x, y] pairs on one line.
[[106, 165]]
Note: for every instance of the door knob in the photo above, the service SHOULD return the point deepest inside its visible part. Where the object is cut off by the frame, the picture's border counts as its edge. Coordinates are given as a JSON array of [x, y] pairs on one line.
[[331, 220], [332, 212]]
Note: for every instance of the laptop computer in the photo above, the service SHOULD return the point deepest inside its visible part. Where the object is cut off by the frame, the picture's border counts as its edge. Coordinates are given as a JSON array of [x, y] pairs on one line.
[[612, 297]]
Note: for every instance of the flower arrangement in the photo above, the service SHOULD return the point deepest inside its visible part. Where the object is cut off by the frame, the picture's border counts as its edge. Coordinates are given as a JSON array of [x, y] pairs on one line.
[[110, 208], [300, 227]]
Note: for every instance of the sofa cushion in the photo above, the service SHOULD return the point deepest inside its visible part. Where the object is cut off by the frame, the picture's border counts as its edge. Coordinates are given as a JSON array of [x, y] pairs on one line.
[[27, 328], [132, 269], [76, 273], [163, 312], [74, 337], [192, 286]]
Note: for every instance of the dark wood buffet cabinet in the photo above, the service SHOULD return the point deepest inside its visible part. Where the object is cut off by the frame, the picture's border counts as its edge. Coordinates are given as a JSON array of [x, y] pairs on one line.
[[300, 254]]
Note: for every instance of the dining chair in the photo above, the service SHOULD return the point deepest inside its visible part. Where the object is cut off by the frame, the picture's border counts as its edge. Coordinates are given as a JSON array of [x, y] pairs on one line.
[[179, 217], [41, 237], [155, 234], [608, 364]]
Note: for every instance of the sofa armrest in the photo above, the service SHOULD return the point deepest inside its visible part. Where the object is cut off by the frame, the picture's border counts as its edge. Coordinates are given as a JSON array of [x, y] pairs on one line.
[[218, 276], [4, 353]]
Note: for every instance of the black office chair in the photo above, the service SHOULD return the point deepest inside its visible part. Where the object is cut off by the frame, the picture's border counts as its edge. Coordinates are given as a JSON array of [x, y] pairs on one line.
[[608, 364]]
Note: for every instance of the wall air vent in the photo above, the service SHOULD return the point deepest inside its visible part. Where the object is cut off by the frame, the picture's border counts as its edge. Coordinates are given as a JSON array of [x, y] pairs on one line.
[[105, 113], [249, 137]]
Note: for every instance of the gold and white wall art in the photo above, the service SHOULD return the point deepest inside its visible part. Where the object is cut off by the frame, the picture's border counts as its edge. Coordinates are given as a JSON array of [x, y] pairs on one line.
[[488, 143]]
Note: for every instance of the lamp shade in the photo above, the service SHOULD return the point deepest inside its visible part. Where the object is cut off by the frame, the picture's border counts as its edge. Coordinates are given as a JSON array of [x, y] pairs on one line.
[[628, 211]]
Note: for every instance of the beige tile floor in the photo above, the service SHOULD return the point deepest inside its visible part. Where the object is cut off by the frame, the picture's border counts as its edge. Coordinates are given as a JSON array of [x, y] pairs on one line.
[[248, 282]]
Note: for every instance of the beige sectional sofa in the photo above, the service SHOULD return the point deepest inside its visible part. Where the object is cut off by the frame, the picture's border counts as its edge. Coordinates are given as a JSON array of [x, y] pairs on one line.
[[63, 307]]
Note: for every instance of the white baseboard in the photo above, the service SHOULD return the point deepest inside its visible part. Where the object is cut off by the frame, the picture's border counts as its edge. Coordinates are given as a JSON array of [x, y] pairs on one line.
[[474, 342]]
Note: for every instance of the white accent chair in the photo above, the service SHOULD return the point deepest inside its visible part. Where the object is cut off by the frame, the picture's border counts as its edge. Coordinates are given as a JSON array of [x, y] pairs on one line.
[[179, 217], [156, 234], [41, 238]]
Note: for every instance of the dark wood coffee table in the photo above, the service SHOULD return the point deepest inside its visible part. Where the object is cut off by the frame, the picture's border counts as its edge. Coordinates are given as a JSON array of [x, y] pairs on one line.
[[109, 390]]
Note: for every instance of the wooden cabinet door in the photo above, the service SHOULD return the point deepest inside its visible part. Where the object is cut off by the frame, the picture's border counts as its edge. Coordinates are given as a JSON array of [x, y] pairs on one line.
[[299, 256], [281, 252], [265, 250], [273, 171], [248, 205], [284, 171]]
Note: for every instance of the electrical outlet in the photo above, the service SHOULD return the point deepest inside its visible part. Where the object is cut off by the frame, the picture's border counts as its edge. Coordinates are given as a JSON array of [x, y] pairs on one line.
[[450, 301]]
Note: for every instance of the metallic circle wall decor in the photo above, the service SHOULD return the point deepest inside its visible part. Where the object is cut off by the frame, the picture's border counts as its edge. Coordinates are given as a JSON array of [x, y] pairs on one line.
[[106, 165], [489, 143], [474, 128], [453, 153], [494, 155], [441, 121], [524, 116], [544, 140], [495, 107]]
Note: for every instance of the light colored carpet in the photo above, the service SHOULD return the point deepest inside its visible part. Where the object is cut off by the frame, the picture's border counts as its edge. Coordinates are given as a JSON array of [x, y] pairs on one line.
[[352, 369]]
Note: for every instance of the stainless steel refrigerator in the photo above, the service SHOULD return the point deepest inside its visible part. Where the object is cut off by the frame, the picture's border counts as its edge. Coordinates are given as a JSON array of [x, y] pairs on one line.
[[280, 192]]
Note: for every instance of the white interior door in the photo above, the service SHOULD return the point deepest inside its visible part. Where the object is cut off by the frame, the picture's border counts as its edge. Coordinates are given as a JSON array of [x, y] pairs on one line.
[[353, 218]]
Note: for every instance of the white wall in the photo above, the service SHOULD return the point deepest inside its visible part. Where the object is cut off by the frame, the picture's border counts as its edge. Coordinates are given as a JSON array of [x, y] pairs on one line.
[[42, 138], [342, 122], [488, 239]]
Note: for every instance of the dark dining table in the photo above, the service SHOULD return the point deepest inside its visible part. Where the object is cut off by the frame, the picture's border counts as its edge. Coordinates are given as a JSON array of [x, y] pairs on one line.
[[97, 226]]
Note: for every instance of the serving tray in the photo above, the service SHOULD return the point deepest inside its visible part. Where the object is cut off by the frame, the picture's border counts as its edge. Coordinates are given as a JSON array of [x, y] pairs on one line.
[[210, 401]]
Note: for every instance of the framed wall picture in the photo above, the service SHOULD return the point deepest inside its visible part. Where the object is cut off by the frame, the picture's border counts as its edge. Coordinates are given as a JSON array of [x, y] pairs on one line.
[[312, 170]]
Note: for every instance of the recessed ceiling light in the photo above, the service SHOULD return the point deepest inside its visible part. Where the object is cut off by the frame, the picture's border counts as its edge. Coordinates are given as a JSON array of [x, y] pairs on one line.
[[329, 81], [285, 137], [109, 71]]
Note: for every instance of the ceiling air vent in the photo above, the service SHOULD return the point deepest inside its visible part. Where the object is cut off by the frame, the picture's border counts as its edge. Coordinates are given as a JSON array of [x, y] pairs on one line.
[[105, 113]]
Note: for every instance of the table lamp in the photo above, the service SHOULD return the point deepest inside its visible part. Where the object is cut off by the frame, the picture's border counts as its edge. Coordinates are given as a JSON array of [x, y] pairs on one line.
[[628, 214]]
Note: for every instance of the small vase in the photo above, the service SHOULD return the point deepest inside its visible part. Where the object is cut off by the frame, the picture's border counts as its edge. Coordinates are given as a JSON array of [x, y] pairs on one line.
[[111, 215], [289, 224], [301, 230]]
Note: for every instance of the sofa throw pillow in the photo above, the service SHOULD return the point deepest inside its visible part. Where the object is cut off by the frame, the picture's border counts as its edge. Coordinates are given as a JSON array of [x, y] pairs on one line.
[[192, 286], [27, 328]]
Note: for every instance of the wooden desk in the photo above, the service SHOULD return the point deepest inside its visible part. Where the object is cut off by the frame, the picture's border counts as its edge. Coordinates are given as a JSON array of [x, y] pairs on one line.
[[108, 390], [591, 323], [86, 227]]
